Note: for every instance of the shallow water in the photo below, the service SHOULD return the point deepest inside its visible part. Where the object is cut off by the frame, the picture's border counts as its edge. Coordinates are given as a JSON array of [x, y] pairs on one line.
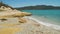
[[52, 16]]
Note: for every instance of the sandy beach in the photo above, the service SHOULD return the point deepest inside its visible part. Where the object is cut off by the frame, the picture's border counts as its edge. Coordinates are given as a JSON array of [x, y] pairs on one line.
[[18, 22], [30, 27]]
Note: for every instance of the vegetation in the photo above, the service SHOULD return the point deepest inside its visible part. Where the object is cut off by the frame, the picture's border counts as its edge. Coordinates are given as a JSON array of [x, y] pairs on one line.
[[38, 7], [5, 5]]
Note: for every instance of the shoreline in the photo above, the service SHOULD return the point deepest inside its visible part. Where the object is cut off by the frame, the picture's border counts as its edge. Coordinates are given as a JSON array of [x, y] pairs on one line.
[[57, 27]]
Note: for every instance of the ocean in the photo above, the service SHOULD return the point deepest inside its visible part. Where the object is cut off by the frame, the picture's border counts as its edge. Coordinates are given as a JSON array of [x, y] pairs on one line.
[[47, 16]]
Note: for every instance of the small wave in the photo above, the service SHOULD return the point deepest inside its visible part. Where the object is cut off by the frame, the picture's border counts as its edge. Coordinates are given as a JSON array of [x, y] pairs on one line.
[[57, 27]]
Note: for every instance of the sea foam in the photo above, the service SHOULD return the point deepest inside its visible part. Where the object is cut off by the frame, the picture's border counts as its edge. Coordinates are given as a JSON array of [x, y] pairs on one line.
[[57, 27]]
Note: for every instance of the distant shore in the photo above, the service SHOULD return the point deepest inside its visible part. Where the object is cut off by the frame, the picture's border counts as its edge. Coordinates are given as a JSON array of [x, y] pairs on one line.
[[39, 7]]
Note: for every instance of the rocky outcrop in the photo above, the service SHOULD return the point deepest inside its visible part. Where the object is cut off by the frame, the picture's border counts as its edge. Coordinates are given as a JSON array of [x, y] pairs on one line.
[[9, 19], [7, 12], [13, 14], [5, 6]]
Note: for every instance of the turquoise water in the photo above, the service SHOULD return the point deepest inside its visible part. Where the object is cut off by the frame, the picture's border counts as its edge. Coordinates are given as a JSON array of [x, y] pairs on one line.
[[52, 15]]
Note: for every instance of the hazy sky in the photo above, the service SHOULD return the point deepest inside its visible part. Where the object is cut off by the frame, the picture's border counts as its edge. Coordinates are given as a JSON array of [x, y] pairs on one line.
[[21, 3]]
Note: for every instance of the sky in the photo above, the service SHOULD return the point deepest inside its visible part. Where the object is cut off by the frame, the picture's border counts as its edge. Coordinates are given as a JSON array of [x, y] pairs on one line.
[[22, 3]]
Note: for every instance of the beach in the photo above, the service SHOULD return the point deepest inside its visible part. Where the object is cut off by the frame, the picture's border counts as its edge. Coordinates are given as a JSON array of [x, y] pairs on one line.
[[18, 22], [30, 27], [45, 22], [29, 17]]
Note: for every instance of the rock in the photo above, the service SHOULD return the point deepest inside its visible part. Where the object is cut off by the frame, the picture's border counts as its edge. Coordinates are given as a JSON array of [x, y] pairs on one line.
[[22, 20], [26, 14], [13, 14], [21, 14], [5, 8], [3, 19]]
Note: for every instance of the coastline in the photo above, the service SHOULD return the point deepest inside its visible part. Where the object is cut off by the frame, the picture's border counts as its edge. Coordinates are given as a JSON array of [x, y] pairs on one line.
[[48, 24], [15, 22], [32, 26]]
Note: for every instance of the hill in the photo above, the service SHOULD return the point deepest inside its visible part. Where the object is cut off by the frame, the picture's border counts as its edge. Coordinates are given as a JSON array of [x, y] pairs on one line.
[[38, 7]]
